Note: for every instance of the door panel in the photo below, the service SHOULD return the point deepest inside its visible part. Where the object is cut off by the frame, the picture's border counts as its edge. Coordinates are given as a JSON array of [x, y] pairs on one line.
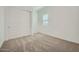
[[18, 23]]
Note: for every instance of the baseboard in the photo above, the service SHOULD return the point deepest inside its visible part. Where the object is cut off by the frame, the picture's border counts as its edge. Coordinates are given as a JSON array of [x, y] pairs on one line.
[[60, 37], [18, 36], [52, 35], [1, 43]]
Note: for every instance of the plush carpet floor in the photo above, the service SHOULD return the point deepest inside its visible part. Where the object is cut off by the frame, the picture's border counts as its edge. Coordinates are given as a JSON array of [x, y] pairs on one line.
[[39, 43]]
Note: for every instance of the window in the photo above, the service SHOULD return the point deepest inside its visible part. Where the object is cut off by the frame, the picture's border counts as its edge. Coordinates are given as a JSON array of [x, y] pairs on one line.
[[45, 19]]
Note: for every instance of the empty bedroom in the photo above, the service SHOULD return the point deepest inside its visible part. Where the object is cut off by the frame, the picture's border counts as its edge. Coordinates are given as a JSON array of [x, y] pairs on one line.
[[39, 28]]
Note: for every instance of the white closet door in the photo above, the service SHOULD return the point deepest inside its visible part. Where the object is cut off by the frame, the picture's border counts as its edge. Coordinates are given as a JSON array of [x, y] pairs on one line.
[[18, 23]]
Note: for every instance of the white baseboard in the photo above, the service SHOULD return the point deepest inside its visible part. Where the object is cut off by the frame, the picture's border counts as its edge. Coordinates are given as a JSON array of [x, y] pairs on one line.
[[1, 43], [52, 35], [61, 37], [18, 36]]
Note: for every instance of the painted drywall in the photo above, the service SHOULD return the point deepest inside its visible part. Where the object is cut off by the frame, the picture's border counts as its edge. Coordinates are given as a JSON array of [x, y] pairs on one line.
[[34, 21], [2, 23], [26, 8], [63, 22], [18, 23], [35, 18]]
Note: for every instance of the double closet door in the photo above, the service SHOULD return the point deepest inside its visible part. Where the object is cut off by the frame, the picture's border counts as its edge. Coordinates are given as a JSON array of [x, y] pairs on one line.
[[18, 23]]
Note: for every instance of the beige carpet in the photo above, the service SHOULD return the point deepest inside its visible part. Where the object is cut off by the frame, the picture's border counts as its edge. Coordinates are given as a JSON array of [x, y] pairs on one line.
[[39, 43]]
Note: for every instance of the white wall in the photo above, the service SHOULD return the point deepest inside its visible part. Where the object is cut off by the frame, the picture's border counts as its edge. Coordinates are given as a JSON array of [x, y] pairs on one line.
[[34, 21], [63, 22], [2, 23], [35, 18], [18, 22]]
